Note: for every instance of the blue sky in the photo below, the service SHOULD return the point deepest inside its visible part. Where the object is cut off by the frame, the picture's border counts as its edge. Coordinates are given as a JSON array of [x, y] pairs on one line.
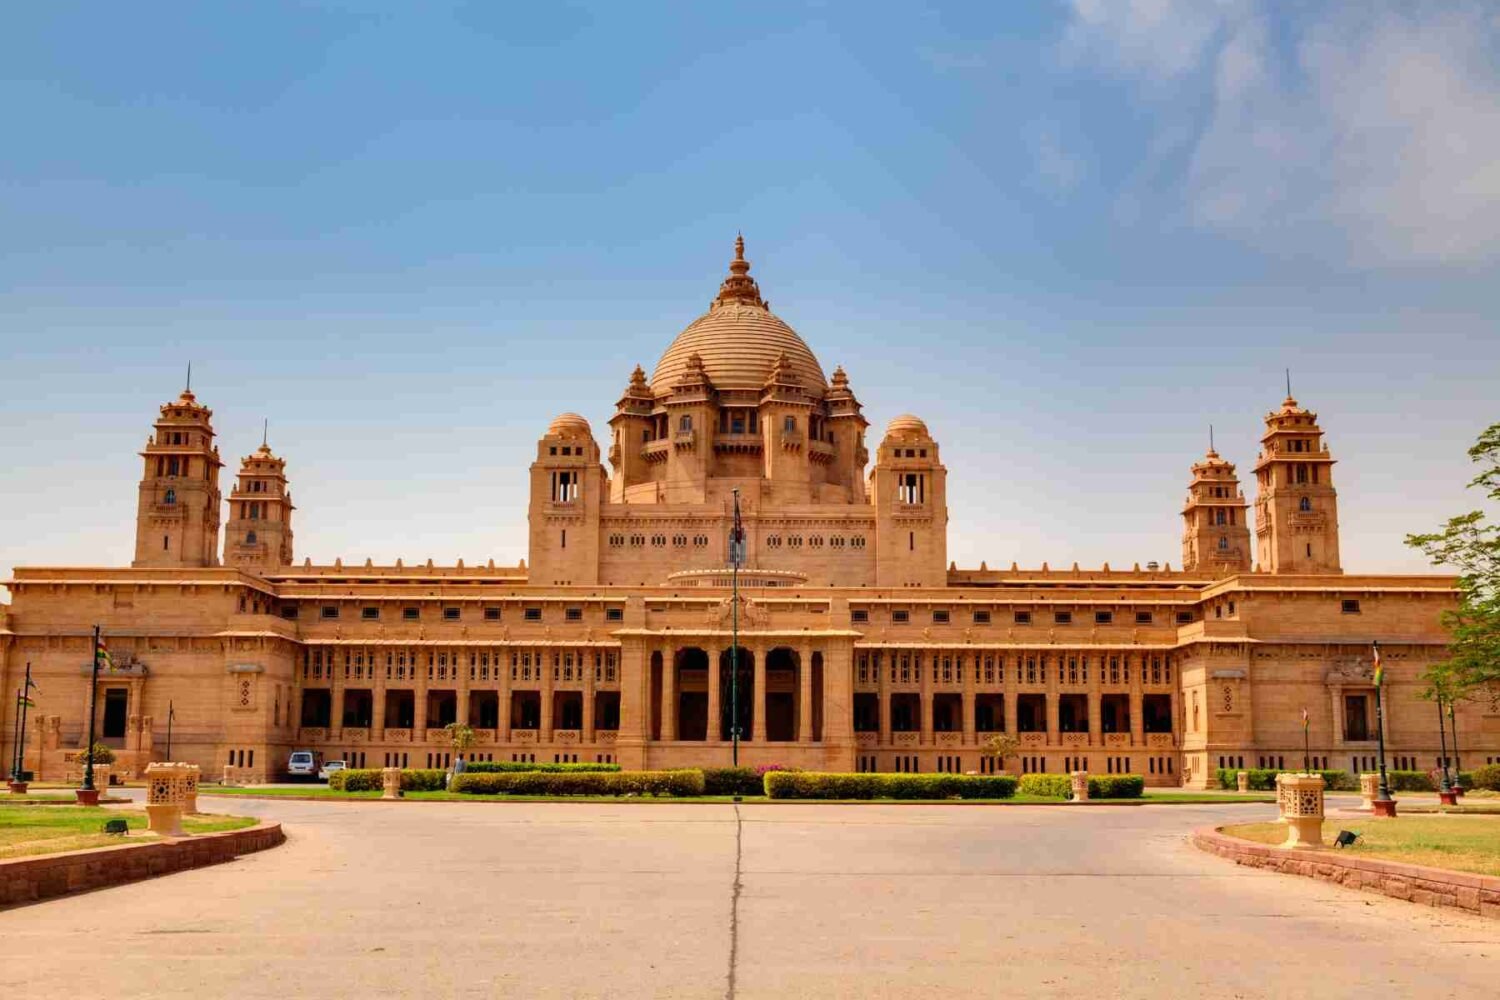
[[1068, 235]]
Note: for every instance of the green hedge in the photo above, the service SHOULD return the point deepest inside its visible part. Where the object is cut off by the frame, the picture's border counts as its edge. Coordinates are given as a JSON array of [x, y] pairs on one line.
[[1116, 786], [368, 779], [521, 767], [1263, 779], [822, 785], [658, 783], [1487, 777], [1048, 786], [733, 781]]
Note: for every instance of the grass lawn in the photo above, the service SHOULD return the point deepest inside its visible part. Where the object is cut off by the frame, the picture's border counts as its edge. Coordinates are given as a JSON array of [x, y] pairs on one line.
[[1462, 843], [28, 830], [321, 792]]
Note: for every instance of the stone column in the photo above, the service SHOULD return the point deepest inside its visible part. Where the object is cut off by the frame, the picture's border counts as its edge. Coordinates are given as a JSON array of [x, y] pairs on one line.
[[804, 694], [838, 702], [669, 695], [882, 672], [1137, 724], [635, 694], [928, 665], [502, 717], [588, 692], [970, 680], [545, 735], [419, 703], [714, 732], [758, 723], [1012, 710], [461, 710], [377, 701]]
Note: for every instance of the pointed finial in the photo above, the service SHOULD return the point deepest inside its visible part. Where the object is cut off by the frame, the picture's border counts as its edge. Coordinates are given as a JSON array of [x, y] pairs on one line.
[[1288, 383], [189, 386], [1210, 437], [265, 432]]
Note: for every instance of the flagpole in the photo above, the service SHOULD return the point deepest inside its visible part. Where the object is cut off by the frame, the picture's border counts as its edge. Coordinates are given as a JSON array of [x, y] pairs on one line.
[[88, 767], [1384, 804], [21, 739], [15, 768], [169, 730], [734, 642], [1458, 765], [1446, 786], [1306, 752]]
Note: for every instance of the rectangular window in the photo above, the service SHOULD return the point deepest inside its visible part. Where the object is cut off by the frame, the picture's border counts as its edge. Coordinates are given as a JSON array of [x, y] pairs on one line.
[[411, 614], [614, 614], [533, 614], [450, 614], [940, 617], [1143, 618], [1184, 617], [1103, 617], [289, 612], [1023, 617], [369, 614], [1062, 617], [981, 618], [1351, 607], [900, 617], [573, 615], [859, 616], [330, 611], [491, 614]]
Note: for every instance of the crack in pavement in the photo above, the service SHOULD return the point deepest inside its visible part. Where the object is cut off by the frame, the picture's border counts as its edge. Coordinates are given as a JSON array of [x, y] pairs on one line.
[[734, 903]]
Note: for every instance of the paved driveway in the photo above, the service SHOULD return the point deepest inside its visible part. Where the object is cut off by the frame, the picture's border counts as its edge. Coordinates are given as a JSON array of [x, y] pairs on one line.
[[649, 900]]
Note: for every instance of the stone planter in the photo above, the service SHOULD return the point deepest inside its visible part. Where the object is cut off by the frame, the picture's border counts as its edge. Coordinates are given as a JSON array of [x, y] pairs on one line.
[[1242, 781], [87, 796], [1080, 781], [166, 787], [1369, 787], [390, 783], [18, 788]]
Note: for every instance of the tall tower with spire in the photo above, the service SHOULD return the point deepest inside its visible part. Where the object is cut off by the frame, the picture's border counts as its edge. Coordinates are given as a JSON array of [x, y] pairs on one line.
[[1215, 520], [177, 513], [258, 536], [1296, 508]]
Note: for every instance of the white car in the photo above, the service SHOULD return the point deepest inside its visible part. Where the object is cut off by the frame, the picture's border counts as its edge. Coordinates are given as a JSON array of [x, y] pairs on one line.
[[303, 764], [329, 768]]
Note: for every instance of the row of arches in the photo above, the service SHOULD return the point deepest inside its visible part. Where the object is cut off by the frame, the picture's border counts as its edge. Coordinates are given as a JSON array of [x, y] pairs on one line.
[[769, 695]]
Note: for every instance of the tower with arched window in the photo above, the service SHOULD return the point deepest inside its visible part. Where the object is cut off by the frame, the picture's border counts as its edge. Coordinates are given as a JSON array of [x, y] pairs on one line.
[[909, 489], [259, 533], [177, 512], [1296, 506], [1215, 520]]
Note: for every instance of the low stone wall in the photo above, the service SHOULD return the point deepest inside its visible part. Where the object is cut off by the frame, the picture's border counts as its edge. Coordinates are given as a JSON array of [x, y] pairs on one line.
[[28, 880], [1479, 894]]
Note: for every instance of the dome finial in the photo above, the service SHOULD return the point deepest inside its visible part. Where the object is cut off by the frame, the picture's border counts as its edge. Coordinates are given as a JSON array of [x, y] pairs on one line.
[[739, 286]]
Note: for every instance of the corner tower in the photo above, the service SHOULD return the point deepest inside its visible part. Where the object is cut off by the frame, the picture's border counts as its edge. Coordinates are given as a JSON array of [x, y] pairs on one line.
[[258, 536], [568, 487], [908, 486], [177, 513], [1215, 520], [1296, 508]]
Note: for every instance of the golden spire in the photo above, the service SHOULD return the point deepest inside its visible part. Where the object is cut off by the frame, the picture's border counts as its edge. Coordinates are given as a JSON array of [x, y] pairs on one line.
[[739, 286]]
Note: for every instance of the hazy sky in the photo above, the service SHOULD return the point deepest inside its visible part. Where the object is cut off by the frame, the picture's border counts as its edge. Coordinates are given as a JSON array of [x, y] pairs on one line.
[[1070, 236]]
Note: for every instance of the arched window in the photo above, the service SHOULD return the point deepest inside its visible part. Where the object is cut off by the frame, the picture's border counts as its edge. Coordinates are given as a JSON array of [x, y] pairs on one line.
[[171, 497], [1304, 504], [1223, 543], [685, 422], [249, 538], [789, 424]]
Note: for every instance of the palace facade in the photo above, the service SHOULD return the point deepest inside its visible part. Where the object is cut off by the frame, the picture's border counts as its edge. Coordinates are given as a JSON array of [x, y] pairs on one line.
[[862, 644]]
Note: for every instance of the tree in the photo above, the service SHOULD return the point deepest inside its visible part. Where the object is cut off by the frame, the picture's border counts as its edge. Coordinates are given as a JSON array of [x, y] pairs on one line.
[[461, 736], [101, 754], [1000, 746], [1471, 544]]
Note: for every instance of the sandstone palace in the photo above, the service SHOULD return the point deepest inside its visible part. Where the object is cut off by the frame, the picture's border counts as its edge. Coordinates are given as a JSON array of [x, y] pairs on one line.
[[863, 644]]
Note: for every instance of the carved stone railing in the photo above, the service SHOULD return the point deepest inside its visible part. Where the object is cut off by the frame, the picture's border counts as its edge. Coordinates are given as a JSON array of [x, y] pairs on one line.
[[605, 735], [484, 736], [1074, 739], [905, 739], [1117, 739], [866, 739], [313, 734], [1160, 740], [948, 739], [1039, 739], [393, 735], [523, 736], [567, 737], [438, 735], [356, 734]]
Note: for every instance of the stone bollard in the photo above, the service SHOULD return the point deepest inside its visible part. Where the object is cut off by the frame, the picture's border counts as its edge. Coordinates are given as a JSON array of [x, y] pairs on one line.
[[1080, 786], [230, 777], [390, 782], [165, 787], [190, 788], [1300, 797], [1369, 787], [1242, 781]]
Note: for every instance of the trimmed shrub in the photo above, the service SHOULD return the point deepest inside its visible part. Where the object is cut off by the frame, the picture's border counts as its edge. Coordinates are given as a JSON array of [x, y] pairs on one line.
[[733, 781], [1116, 786], [368, 779], [1050, 786], [519, 767], [825, 785], [1487, 777], [658, 783], [1263, 779], [424, 780]]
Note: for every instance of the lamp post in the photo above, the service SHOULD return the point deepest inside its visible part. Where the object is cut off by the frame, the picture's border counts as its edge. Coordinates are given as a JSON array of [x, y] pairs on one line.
[[1458, 765], [89, 795], [169, 730], [1383, 803], [1445, 787]]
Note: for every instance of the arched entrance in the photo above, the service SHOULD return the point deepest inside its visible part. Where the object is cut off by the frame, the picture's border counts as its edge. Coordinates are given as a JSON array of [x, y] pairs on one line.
[[691, 664], [782, 700], [736, 702]]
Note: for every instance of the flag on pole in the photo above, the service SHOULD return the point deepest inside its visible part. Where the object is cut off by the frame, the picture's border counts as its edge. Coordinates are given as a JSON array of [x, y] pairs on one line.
[[105, 661], [1379, 670], [737, 538], [31, 684], [1306, 722], [24, 701]]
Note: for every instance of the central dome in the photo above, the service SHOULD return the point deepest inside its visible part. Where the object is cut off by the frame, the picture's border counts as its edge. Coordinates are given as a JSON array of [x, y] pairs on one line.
[[739, 340]]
